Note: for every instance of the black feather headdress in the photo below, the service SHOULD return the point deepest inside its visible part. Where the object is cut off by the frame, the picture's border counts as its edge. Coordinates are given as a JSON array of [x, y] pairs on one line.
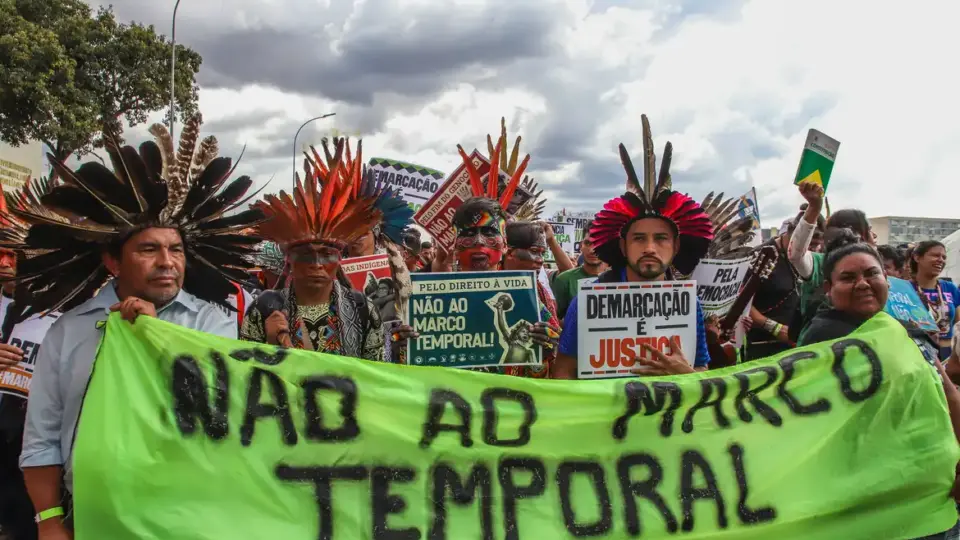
[[148, 187]]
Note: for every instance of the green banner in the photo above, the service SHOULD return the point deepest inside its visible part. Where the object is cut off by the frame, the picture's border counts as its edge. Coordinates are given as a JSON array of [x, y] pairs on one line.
[[189, 436]]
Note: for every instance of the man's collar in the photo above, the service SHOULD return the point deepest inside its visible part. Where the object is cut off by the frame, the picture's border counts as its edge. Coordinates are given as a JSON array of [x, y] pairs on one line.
[[107, 296]]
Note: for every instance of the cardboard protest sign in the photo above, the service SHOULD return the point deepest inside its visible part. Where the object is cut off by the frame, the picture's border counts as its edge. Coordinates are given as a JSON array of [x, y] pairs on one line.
[[436, 215], [26, 336], [615, 319], [418, 183], [905, 305], [816, 161], [474, 319], [297, 445]]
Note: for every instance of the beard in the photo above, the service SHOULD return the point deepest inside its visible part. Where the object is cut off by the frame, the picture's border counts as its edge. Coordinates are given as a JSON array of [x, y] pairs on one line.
[[648, 268]]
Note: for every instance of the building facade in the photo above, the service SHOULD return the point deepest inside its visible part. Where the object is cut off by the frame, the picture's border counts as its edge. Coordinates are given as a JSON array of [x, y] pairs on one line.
[[896, 230], [19, 163]]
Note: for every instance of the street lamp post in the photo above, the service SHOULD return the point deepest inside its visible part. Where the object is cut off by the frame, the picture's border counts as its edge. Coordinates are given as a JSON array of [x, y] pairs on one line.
[[295, 143], [173, 67]]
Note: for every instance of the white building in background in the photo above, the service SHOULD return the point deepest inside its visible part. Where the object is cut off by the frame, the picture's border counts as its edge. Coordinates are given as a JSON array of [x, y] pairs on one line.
[[897, 230], [19, 163], [952, 268]]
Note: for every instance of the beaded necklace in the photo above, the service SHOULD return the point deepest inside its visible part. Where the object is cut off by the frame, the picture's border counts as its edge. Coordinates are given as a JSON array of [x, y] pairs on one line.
[[938, 311]]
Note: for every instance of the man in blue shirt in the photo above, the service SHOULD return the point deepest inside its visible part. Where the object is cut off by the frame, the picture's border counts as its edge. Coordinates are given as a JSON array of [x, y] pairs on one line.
[[642, 237], [651, 243], [144, 223]]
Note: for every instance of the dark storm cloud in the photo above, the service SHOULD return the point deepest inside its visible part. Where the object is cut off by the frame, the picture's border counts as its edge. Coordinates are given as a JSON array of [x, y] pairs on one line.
[[233, 123], [415, 53], [378, 62]]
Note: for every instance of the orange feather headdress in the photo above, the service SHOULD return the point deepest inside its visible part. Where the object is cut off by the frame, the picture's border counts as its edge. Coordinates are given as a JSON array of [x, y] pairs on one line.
[[498, 161], [328, 209]]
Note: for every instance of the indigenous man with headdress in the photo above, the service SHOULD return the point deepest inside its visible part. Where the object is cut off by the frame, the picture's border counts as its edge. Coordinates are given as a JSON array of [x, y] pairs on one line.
[[391, 235], [156, 214], [482, 238], [650, 233], [316, 308]]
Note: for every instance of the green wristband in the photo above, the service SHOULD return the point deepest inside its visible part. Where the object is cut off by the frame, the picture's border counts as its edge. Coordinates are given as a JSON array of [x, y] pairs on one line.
[[56, 511]]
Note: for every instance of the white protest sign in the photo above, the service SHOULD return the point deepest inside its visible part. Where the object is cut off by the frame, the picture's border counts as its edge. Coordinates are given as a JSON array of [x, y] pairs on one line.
[[579, 225], [615, 319], [418, 183], [718, 283]]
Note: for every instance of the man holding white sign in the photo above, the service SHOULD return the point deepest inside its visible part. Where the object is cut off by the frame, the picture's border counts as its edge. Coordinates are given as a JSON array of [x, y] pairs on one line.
[[641, 237]]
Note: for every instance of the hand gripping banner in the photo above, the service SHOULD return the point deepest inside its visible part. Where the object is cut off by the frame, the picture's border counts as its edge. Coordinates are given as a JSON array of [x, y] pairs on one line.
[[189, 436]]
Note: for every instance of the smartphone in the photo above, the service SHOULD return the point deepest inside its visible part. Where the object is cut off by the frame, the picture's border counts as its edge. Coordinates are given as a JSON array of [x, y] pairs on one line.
[[816, 161]]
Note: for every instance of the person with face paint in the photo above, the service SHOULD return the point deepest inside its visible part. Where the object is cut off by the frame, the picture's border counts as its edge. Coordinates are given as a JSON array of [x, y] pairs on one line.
[[650, 233], [485, 242], [314, 306]]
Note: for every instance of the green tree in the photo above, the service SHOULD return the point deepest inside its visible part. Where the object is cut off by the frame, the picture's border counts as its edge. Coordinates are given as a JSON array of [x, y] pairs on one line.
[[66, 71]]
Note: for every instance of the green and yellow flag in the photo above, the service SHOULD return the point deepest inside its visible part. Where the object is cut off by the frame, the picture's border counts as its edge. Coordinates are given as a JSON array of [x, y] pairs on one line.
[[189, 436]]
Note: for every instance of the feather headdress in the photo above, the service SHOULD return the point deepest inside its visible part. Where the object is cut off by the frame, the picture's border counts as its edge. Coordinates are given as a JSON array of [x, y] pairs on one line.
[[329, 208], [654, 199], [396, 214], [13, 230], [732, 233], [148, 188], [492, 189]]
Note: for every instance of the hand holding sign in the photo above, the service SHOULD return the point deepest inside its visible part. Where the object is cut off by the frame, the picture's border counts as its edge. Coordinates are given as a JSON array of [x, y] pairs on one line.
[[545, 334], [133, 307], [442, 261], [9, 356], [813, 194], [657, 363]]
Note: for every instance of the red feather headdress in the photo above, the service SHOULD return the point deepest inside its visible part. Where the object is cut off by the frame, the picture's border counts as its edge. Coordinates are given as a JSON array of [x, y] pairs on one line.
[[328, 209], [653, 200]]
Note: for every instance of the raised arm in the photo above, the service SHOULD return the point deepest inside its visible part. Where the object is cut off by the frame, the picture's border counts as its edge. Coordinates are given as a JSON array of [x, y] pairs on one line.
[[798, 251]]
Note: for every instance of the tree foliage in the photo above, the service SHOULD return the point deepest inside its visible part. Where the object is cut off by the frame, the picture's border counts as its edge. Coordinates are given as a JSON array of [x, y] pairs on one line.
[[66, 71]]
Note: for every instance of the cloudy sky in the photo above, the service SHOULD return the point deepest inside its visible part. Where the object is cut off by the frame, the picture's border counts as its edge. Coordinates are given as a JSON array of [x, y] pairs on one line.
[[734, 84]]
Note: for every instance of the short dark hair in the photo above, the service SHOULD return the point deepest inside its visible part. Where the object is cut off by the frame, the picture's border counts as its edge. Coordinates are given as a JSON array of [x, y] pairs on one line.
[[850, 218], [920, 249], [411, 240], [891, 253], [840, 243], [523, 234], [821, 223], [464, 215]]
